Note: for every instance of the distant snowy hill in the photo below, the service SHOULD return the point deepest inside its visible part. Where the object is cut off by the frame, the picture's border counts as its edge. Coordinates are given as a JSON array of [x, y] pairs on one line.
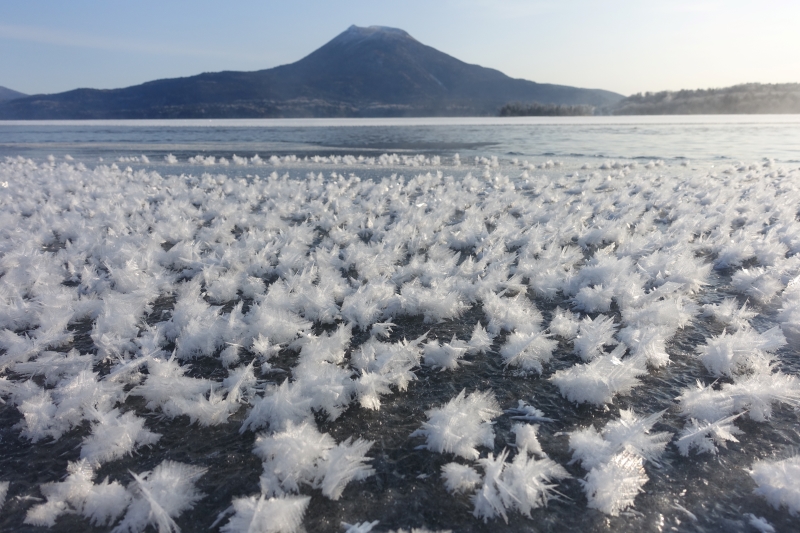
[[9, 94], [748, 98], [374, 71]]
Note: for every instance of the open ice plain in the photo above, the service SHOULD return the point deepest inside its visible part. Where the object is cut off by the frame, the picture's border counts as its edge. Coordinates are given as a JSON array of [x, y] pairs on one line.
[[466, 344]]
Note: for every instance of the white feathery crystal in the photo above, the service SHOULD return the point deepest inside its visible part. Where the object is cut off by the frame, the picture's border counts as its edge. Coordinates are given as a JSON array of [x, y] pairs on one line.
[[383, 365], [529, 482], [705, 403], [510, 314], [758, 283], [460, 478], [614, 458], [706, 436], [528, 413], [461, 424], [329, 387], [3, 492], [598, 381], [263, 348], [106, 502], [480, 341], [730, 313], [779, 482], [161, 495], [101, 503], [166, 381], [612, 486], [488, 501], [115, 435], [593, 335], [753, 393], [527, 440], [745, 350], [279, 406], [445, 356], [259, 514], [359, 527], [345, 462], [760, 523], [595, 299], [564, 324], [63, 496], [629, 431], [647, 341], [528, 350], [523, 484], [290, 456]]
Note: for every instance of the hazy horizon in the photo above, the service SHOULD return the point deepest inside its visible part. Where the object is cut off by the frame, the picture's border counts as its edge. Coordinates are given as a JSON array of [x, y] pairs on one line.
[[622, 46]]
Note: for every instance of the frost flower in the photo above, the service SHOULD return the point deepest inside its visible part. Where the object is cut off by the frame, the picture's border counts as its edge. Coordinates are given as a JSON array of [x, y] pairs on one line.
[[461, 424]]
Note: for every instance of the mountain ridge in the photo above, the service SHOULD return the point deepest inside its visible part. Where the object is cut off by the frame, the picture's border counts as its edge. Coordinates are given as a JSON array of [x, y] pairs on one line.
[[372, 71], [7, 94], [741, 99]]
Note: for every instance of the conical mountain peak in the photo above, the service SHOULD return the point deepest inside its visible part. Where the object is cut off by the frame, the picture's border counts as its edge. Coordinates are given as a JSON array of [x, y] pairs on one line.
[[363, 71], [359, 33], [372, 30]]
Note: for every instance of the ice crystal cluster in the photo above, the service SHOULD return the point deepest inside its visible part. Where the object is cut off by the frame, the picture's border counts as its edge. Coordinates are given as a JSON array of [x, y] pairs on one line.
[[614, 458], [522, 484], [274, 309]]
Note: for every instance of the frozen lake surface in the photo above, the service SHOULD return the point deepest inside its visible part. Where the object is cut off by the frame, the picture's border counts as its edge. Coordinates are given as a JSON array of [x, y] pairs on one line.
[[721, 138], [455, 324]]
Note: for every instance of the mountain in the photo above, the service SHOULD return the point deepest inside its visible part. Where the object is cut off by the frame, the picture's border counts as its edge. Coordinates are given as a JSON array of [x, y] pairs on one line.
[[8, 94], [375, 71], [748, 98]]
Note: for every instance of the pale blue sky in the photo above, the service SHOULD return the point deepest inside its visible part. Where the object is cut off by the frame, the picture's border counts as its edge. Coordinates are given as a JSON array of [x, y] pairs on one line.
[[625, 46]]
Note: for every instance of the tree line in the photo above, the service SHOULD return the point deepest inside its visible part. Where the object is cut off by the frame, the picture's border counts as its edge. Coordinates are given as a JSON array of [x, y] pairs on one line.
[[535, 109], [748, 98]]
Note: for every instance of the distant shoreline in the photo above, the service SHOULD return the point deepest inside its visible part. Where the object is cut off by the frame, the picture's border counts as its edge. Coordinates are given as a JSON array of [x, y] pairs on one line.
[[419, 121]]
